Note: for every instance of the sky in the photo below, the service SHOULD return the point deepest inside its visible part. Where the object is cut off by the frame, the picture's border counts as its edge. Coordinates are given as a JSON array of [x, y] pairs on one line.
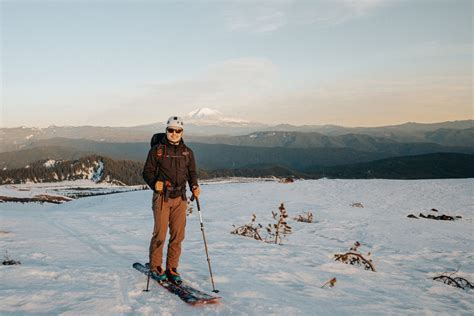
[[127, 63]]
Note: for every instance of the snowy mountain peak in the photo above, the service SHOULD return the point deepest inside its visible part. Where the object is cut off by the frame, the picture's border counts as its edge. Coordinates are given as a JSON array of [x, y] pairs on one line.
[[204, 113], [207, 116]]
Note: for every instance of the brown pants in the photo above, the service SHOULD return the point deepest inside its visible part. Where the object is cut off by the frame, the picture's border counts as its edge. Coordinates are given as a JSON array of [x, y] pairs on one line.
[[170, 213]]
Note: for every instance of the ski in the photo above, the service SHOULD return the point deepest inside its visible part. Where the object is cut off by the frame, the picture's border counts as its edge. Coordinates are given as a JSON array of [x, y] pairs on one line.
[[186, 292], [190, 289]]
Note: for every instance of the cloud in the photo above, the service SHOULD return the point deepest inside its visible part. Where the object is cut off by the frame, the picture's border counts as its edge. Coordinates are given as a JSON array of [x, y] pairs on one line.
[[438, 49], [258, 17], [223, 86], [226, 86], [269, 16], [374, 101], [235, 79], [252, 89]]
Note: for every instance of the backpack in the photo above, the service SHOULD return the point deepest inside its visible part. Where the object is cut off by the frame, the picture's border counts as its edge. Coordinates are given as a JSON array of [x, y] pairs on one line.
[[156, 139]]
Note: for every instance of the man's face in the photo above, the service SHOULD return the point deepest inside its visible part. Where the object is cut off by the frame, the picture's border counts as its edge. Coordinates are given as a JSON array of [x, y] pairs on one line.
[[174, 134]]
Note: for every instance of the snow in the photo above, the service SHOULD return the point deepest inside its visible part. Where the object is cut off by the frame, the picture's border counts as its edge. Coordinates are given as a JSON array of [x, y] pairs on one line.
[[97, 174], [63, 188], [207, 116], [93, 173], [263, 135], [238, 180], [77, 256], [50, 163], [203, 112]]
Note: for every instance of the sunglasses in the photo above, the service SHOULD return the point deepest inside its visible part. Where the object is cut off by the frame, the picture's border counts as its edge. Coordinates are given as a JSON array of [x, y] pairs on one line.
[[172, 130]]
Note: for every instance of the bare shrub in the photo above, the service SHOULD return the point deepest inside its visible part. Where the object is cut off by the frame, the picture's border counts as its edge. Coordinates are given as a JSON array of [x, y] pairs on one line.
[[330, 283], [279, 229], [287, 180], [442, 217], [305, 217], [8, 261], [275, 232], [354, 257], [453, 280], [250, 230]]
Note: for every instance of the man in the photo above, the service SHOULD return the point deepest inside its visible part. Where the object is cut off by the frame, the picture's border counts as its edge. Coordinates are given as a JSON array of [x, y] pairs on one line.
[[169, 165]]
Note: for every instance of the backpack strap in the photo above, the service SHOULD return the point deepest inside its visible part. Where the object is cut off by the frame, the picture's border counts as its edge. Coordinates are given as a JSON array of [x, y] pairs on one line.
[[161, 151]]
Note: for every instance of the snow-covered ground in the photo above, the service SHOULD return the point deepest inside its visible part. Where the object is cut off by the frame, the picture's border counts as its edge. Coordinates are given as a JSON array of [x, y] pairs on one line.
[[76, 257], [83, 187], [64, 188]]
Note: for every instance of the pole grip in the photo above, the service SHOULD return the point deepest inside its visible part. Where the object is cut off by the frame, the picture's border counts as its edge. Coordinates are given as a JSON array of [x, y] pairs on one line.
[[197, 202]]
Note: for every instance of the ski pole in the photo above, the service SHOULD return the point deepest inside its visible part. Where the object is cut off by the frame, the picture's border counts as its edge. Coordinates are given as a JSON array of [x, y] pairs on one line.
[[205, 243], [147, 282]]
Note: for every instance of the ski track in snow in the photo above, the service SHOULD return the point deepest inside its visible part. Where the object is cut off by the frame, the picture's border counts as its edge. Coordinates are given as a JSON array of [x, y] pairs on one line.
[[77, 257]]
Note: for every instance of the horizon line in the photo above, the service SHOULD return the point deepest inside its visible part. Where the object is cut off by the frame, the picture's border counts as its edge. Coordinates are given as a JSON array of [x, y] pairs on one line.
[[268, 125]]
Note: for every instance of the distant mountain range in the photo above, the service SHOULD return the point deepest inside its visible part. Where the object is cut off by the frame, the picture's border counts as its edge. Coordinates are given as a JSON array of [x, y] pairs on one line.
[[282, 149], [102, 169], [445, 137], [338, 151], [429, 166], [210, 126]]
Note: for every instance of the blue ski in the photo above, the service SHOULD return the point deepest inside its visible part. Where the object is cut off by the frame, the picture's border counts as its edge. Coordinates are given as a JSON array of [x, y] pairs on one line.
[[187, 293]]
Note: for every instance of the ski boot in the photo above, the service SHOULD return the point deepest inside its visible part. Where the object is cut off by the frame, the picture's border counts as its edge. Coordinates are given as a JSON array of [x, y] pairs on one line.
[[159, 274], [173, 276]]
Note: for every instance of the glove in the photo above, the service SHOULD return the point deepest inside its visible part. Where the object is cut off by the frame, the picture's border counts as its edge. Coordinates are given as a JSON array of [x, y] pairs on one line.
[[196, 191], [159, 186]]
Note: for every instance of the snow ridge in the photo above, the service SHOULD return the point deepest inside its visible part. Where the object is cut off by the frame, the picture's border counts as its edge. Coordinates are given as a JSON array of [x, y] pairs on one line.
[[207, 116], [97, 172], [50, 163]]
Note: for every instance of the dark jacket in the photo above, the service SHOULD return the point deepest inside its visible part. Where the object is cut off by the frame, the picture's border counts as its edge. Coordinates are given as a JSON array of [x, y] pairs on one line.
[[172, 164]]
